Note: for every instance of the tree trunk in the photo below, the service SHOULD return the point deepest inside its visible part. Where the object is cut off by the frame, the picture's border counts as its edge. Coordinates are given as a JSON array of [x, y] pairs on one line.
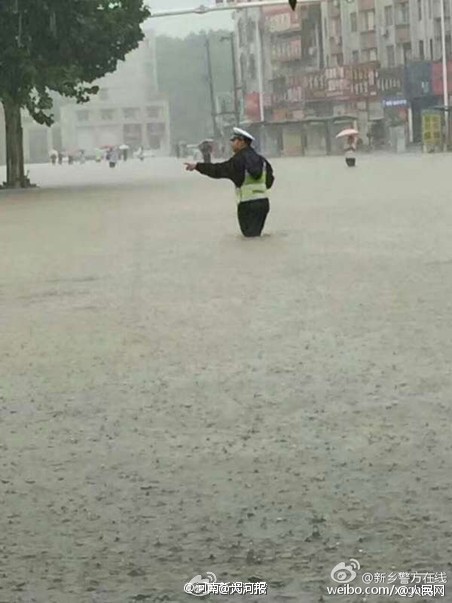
[[15, 172]]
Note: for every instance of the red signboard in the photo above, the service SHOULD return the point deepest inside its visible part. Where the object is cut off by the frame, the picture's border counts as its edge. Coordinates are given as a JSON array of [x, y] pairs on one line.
[[437, 78], [314, 85], [338, 84], [286, 50], [253, 107], [281, 19], [344, 83], [364, 79], [390, 81]]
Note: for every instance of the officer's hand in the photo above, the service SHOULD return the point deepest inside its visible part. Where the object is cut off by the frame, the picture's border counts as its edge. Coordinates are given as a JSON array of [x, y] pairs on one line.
[[190, 167]]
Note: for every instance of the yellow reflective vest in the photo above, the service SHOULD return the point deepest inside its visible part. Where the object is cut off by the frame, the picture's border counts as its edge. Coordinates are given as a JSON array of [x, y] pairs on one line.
[[252, 189]]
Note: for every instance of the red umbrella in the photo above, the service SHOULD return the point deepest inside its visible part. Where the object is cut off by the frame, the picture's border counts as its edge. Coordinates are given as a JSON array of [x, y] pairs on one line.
[[347, 132]]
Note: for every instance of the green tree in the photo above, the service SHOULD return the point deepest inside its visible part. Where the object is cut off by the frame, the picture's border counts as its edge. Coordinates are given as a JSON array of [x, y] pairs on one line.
[[183, 79], [60, 46]]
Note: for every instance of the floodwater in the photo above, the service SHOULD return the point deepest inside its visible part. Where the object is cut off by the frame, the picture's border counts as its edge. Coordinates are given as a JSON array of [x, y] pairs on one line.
[[177, 400]]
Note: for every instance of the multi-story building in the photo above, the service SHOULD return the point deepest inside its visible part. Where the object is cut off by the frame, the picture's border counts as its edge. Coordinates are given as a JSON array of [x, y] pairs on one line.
[[127, 110], [392, 32], [376, 64], [402, 37], [372, 63], [296, 50], [254, 64]]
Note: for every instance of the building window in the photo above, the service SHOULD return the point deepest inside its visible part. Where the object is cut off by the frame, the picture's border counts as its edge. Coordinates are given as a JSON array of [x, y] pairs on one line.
[[368, 20], [389, 16], [419, 10], [353, 22], [431, 50], [252, 67], [339, 59], [156, 128], [250, 30], [83, 115], [154, 142], [355, 56], [243, 72], [429, 9], [131, 113], [390, 50], [370, 55], [153, 112], [403, 14], [241, 36], [406, 53], [103, 94], [421, 50], [336, 27], [107, 114]]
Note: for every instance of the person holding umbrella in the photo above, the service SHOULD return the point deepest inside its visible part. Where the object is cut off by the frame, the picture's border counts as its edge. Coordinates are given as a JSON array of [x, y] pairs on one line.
[[252, 176], [124, 149], [112, 156], [206, 150], [350, 146]]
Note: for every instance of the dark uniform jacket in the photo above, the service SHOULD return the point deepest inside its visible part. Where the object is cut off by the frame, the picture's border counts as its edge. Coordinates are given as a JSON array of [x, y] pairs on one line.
[[246, 160]]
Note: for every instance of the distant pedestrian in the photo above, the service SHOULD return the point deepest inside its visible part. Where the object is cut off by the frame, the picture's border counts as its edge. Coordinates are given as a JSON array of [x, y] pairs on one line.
[[53, 156], [124, 152], [350, 152], [60, 158], [206, 149], [113, 157]]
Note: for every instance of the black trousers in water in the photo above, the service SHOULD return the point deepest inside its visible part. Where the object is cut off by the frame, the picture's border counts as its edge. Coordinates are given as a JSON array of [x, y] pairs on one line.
[[252, 216]]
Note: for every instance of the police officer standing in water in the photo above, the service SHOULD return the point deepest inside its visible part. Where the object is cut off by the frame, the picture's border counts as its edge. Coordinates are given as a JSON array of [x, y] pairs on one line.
[[252, 176]]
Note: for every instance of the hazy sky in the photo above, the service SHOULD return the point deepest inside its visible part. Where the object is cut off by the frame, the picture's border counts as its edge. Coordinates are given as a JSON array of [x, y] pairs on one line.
[[182, 26]]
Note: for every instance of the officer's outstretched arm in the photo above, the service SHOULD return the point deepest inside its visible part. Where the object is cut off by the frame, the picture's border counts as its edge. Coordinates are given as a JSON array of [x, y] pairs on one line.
[[225, 169]]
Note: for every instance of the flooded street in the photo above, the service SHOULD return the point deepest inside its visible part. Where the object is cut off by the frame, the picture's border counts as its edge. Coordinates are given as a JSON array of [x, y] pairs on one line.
[[177, 400]]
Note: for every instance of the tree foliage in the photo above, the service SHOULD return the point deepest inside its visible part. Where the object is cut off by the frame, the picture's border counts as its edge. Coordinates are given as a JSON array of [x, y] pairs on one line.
[[61, 46], [182, 76]]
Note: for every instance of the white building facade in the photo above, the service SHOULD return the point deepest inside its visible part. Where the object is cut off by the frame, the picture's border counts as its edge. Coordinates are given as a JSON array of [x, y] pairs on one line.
[[127, 109]]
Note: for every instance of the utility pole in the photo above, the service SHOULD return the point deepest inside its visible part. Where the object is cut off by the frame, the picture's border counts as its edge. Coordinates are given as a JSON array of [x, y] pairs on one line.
[[211, 89], [260, 71], [230, 37], [236, 83], [445, 78]]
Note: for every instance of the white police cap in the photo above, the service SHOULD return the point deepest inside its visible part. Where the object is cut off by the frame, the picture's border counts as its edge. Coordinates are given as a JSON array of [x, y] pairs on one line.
[[239, 133]]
